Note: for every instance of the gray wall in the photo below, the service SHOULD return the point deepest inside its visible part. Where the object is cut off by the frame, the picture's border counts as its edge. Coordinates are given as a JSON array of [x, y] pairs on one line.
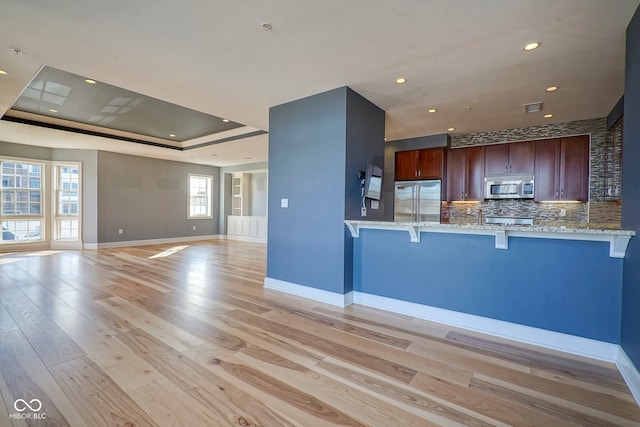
[[25, 151], [147, 198], [316, 147], [364, 144]]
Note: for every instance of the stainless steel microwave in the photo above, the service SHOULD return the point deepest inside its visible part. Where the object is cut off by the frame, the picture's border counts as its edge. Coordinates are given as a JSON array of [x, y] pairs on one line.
[[509, 187]]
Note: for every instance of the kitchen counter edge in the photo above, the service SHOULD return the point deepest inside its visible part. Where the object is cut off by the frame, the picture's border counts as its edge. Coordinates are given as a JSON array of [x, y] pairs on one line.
[[618, 239]]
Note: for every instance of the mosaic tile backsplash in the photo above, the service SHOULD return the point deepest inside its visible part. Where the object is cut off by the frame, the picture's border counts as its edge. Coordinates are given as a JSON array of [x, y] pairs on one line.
[[604, 207]]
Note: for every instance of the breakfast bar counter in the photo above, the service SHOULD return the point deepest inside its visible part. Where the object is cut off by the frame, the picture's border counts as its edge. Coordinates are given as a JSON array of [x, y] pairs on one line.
[[618, 239], [565, 280]]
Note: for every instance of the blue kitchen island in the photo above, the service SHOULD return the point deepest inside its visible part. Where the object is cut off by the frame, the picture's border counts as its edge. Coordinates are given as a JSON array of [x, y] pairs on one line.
[[557, 287]]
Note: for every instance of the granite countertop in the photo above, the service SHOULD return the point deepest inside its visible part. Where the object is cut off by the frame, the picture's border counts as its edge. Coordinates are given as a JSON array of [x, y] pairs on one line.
[[496, 227]]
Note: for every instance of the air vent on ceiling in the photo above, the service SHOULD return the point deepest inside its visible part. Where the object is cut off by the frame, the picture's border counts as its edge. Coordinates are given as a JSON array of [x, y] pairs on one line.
[[534, 107]]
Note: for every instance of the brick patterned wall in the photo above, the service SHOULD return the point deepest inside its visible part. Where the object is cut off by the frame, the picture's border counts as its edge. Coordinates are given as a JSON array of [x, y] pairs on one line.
[[604, 169]]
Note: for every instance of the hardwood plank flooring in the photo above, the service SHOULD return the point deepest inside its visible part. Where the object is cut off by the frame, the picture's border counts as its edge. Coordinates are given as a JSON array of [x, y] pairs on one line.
[[185, 335]]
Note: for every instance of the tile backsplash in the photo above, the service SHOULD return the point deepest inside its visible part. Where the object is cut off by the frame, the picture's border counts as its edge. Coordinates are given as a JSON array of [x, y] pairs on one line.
[[600, 211]]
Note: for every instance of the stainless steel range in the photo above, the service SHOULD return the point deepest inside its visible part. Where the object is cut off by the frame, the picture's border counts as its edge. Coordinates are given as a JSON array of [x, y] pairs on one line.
[[508, 221]]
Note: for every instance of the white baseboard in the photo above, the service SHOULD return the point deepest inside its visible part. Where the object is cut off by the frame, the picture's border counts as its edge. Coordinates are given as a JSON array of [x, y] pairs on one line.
[[554, 340], [246, 238], [62, 245], [327, 297], [630, 373], [572, 344], [125, 243]]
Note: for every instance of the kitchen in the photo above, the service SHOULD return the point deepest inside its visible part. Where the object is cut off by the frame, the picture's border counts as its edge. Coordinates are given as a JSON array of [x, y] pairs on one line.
[[551, 279], [506, 156]]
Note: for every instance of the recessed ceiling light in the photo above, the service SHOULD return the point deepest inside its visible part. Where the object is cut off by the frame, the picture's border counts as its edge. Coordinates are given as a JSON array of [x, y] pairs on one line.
[[548, 116], [3, 72], [213, 155], [552, 88], [401, 80], [432, 110], [247, 158], [53, 110], [531, 46], [90, 81], [172, 135], [225, 120], [451, 129]]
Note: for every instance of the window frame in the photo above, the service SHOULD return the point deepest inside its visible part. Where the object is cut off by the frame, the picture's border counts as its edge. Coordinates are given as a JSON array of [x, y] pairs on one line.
[[43, 190], [208, 197], [58, 217]]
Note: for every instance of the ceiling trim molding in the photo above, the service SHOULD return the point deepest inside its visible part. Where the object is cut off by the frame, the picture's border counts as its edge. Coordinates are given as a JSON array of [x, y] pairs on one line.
[[86, 132], [227, 139]]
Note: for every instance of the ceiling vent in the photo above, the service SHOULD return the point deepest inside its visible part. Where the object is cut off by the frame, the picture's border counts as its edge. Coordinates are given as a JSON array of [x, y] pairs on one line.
[[534, 107]]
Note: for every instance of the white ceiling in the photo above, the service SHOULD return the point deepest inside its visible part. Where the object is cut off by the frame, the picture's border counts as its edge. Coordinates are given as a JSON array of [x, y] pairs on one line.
[[216, 57]]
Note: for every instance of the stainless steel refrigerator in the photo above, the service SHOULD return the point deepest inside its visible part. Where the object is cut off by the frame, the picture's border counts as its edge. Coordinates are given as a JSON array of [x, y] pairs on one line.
[[417, 201]]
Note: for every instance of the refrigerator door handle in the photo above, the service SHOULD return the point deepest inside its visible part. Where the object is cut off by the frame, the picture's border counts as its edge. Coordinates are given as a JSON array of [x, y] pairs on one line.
[[416, 203]]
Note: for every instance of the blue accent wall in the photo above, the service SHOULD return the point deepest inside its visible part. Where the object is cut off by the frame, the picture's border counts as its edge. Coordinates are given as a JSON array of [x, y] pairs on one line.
[[566, 286], [316, 147], [630, 340]]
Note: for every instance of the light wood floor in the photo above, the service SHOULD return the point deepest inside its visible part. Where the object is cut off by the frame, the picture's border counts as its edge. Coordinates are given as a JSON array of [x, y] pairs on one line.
[[174, 335]]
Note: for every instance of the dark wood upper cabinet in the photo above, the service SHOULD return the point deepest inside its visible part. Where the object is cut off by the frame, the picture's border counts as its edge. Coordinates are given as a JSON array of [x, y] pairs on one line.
[[509, 159], [456, 174], [574, 168], [420, 164], [496, 160], [406, 165], [475, 172], [465, 173], [562, 169], [547, 170], [430, 163]]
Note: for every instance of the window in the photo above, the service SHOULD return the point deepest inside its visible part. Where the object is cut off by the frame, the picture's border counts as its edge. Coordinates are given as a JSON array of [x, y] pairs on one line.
[[200, 196], [67, 201], [21, 201]]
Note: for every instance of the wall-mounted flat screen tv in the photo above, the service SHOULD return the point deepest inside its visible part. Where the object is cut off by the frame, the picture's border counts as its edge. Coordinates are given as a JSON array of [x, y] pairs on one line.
[[373, 182]]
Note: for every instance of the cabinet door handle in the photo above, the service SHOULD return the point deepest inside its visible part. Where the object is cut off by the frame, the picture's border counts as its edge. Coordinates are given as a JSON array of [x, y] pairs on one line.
[[506, 169], [556, 194], [562, 193], [509, 169]]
